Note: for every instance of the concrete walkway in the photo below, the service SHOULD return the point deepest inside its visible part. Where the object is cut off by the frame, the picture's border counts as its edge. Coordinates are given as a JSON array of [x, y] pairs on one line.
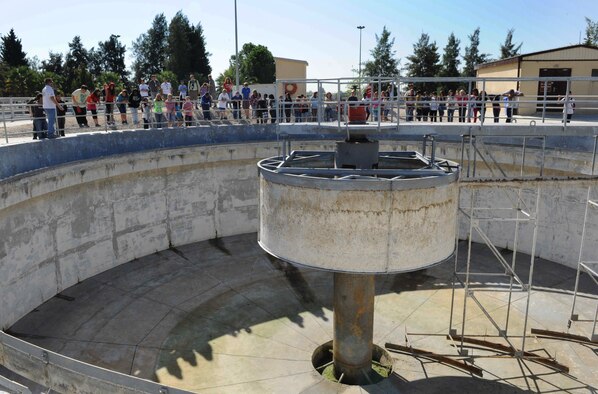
[[221, 316]]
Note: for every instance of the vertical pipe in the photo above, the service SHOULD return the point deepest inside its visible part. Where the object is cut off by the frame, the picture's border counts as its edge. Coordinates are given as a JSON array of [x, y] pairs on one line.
[[236, 49], [594, 154], [353, 326], [467, 271], [544, 101], [531, 269], [580, 257], [338, 104]]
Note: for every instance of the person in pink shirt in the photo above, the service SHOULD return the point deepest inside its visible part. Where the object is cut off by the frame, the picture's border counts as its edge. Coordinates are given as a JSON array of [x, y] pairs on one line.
[[170, 104], [188, 111]]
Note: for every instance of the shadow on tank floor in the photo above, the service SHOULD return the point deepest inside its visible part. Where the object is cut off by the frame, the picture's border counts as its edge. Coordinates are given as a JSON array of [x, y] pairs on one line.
[[222, 316]]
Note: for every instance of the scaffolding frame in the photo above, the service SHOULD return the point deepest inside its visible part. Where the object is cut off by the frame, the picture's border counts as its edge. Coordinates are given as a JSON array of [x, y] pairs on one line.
[[588, 266]]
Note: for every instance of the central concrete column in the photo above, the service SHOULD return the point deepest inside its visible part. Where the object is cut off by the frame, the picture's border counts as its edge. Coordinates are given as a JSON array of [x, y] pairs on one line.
[[353, 326]]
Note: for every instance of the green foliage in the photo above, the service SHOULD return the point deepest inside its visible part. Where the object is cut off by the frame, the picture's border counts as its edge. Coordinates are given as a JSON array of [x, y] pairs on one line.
[[150, 49], [472, 55], [449, 66], [54, 63], [424, 62], [256, 65], [591, 33], [11, 50], [384, 63], [169, 76], [20, 81], [179, 47], [199, 56], [508, 49], [76, 66], [112, 56], [105, 78]]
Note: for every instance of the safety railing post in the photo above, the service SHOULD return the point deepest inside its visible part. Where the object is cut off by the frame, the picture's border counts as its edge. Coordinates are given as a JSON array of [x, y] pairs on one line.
[[4, 122]]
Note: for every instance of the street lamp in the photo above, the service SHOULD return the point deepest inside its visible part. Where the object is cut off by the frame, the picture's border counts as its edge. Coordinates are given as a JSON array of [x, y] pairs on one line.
[[236, 49], [360, 29]]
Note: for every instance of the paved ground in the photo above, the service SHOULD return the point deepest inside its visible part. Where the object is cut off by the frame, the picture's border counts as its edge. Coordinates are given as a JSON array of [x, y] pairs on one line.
[[222, 317]]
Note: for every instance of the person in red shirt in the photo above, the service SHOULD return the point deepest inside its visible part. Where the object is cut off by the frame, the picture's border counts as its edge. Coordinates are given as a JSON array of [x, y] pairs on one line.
[[92, 105], [109, 96]]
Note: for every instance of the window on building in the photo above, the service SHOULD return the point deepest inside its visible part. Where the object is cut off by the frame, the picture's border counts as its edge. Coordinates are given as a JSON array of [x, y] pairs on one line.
[[595, 72]]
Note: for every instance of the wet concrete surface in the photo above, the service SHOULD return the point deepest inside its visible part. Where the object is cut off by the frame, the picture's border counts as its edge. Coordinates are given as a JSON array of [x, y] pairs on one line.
[[221, 316]]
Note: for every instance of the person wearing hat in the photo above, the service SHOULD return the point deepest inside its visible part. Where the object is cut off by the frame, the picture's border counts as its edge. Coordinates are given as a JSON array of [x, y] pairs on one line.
[[79, 98]]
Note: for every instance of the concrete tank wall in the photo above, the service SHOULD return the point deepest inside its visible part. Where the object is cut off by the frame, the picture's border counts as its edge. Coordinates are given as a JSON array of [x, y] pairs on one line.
[[67, 223]]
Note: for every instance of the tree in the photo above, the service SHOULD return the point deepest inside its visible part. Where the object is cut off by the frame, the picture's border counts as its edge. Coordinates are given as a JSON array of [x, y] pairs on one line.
[[508, 49], [150, 49], [424, 61], [384, 63], [76, 66], [112, 55], [472, 55], [11, 50], [591, 32], [449, 67], [179, 46], [256, 65], [199, 56], [54, 63]]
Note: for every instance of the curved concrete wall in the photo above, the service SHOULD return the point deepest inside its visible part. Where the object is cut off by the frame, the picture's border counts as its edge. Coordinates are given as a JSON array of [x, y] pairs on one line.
[[67, 223]]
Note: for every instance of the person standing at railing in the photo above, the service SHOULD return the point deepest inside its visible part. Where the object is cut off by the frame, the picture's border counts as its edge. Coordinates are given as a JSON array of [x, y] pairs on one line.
[[314, 107], [182, 89], [36, 111], [146, 112], [121, 103], [461, 99], [246, 93], [451, 104], [496, 107], [409, 104], [170, 104], [206, 103], [188, 111], [143, 88], [61, 113], [272, 106], [328, 107], [441, 105], [483, 97], [236, 101], [109, 97], [193, 87], [154, 86], [92, 105], [473, 106], [433, 107], [288, 106], [568, 105], [212, 87], [79, 98], [159, 111], [166, 88], [509, 99], [134, 103], [50, 104]]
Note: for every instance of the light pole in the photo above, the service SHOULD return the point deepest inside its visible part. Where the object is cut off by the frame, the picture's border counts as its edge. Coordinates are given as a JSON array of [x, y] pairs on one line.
[[236, 49], [360, 29]]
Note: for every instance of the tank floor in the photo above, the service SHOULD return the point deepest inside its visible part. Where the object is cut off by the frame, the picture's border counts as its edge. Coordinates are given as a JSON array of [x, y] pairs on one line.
[[221, 316]]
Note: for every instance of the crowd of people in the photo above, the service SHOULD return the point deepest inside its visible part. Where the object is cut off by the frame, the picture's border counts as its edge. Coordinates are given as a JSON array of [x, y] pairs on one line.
[[156, 104]]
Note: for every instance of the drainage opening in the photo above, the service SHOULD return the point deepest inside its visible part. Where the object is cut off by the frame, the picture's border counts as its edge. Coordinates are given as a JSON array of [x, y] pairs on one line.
[[322, 361]]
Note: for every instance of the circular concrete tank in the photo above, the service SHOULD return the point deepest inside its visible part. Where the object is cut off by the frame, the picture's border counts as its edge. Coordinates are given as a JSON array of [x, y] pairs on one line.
[[359, 224]]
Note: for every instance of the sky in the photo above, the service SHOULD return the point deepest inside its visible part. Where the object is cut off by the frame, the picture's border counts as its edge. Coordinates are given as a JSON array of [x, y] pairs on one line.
[[322, 32]]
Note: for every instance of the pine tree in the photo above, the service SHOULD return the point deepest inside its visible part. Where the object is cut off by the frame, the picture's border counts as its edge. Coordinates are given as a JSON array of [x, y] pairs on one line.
[[179, 47], [11, 50], [112, 56], [199, 56], [384, 63], [424, 61], [150, 49], [472, 55], [591, 32], [508, 49], [76, 66], [449, 66]]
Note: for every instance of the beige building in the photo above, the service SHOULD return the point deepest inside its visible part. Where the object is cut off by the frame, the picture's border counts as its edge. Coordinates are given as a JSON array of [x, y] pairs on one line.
[[291, 69], [570, 61]]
